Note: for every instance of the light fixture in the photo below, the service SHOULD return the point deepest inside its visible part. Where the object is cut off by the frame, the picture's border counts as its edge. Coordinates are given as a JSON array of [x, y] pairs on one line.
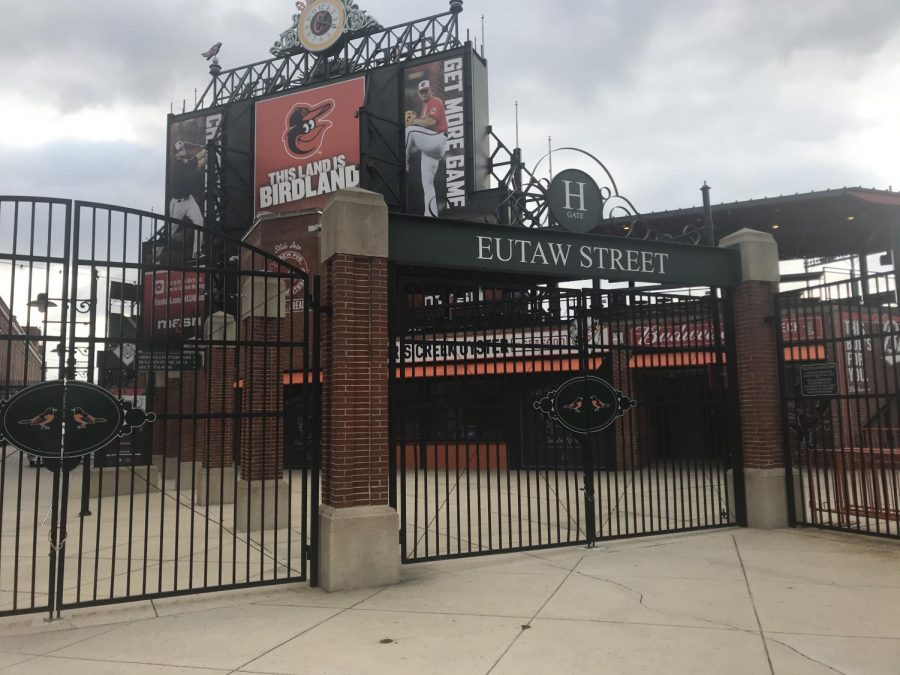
[[42, 302], [851, 217], [775, 226]]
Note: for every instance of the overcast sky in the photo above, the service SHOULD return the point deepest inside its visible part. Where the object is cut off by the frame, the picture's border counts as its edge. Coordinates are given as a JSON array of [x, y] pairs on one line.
[[758, 97]]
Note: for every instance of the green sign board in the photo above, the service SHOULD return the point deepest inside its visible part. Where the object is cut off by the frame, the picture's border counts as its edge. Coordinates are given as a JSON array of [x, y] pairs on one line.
[[432, 242]]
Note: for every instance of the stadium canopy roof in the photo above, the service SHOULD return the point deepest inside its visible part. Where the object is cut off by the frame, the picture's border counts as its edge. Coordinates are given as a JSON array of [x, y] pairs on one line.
[[811, 225]]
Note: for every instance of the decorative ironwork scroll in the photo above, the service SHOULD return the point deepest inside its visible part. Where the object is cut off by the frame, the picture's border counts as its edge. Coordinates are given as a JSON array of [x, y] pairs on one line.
[[526, 201]]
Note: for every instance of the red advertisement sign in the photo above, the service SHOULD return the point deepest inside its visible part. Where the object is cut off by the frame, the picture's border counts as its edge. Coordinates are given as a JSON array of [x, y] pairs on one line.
[[307, 146], [702, 333], [174, 303]]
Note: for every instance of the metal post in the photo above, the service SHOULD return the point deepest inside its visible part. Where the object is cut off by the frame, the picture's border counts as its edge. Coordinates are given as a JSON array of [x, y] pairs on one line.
[[316, 430], [708, 226], [895, 252], [86, 466], [864, 276], [517, 186], [587, 446]]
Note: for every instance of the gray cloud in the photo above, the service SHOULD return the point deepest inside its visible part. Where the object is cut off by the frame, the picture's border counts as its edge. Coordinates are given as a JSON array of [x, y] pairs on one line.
[[114, 173], [757, 97]]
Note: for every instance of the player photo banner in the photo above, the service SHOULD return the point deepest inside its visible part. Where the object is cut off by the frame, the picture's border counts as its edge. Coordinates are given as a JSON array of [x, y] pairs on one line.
[[435, 122], [186, 171], [307, 146]]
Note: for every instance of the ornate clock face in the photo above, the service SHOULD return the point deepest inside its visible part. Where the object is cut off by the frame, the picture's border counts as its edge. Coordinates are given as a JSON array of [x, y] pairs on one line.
[[321, 24]]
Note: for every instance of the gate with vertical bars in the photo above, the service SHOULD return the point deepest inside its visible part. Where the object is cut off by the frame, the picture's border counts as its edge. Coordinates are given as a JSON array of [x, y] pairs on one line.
[[839, 352], [216, 340], [487, 377]]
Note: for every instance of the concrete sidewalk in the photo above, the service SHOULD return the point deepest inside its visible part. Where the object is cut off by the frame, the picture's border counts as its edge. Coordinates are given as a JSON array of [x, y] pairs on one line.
[[730, 601]]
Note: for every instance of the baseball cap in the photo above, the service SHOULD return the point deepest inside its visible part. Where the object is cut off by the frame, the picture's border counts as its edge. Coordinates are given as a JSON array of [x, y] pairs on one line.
[[424, 84]]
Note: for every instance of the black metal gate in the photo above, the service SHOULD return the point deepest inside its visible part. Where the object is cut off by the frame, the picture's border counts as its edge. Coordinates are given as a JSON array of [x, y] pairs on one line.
[[207, 334], [839, 354], [483, 460]]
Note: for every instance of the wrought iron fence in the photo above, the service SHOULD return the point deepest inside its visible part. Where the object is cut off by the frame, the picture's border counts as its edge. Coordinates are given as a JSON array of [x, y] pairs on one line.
[[839, 353], [211, 336], [478, 466]]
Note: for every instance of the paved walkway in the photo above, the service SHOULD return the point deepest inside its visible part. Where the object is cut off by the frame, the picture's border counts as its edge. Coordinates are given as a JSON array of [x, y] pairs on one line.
[[730, 601]]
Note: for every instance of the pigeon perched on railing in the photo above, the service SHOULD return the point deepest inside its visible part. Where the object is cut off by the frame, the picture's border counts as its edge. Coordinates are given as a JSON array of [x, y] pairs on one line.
[[212, 51]]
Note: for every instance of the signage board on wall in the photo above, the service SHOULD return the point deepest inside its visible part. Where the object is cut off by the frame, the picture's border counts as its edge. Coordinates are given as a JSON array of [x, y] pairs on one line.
[[307, 146], [434, 119], [819, 379], [444, 243], [174, 303]]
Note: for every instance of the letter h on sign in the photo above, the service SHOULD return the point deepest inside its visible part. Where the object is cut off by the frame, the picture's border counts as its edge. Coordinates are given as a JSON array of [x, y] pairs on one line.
[[579, 195]]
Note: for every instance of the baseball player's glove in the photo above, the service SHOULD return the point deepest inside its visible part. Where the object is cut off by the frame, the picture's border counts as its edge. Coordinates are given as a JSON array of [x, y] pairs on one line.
[[410, 117]]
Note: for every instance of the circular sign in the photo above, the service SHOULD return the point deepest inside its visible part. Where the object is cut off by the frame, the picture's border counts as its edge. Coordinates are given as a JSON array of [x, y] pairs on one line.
[[586, 404], [575, 201], [34, 419], [321, 24]]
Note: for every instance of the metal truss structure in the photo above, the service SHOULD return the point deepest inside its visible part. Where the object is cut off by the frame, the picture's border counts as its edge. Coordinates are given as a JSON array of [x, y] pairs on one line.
[[396, 44]]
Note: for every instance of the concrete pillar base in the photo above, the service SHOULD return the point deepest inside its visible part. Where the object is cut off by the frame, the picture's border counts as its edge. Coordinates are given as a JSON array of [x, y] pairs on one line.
[[218, 484], [767, 506], [144, 478], [258, 502], [359, 547], [169, 468]]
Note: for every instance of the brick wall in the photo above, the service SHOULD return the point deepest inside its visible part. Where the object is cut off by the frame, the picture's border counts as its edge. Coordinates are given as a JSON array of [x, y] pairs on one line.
[[219, 406], [171, 424], [262, 400], [632, 446], [20, 361], [757, 365], [193, 429], [355, 391]]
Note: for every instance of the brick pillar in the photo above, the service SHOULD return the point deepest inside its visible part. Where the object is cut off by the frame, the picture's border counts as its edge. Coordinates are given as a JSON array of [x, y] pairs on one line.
[[262, 403], [632, 446], [214, 476], [192, 437], [261, 494], [358, 530], [755, 324], [167, 432]]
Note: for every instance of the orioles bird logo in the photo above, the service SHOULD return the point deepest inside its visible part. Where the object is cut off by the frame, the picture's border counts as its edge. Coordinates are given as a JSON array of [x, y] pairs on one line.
[[598, 404], [84, 419], [306, 127], [42, 421], [575, 405]]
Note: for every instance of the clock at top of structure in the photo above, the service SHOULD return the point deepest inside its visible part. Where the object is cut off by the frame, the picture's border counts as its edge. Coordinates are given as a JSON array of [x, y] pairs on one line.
[[321, 24]]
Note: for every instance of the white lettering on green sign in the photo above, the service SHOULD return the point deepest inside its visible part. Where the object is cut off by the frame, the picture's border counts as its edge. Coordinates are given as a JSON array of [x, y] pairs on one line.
[[527, 252]]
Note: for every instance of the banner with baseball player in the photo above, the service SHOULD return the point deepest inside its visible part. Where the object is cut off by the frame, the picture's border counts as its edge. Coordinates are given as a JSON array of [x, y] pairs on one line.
[[186, 186], [307, 146], [434, 120]]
